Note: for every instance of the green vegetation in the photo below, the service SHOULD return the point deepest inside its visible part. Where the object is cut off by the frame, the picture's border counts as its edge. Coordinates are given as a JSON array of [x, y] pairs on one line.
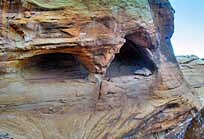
[[136, 8], [52, 4], [55, 4]]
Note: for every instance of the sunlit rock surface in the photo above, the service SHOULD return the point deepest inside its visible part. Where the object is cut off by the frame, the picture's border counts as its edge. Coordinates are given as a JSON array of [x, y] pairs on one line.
[[68, 70], [193, 128], [194, 73], [193, 70]]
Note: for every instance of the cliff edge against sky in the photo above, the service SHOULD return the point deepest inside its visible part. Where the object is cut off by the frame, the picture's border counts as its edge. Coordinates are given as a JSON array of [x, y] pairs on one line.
[[90, 69]]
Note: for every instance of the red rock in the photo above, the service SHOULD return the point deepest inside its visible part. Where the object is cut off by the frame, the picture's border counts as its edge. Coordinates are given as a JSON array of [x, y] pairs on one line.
[[86, 53]]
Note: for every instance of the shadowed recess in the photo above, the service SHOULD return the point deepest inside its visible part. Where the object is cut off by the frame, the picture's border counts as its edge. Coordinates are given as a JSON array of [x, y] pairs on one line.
[[132, 59], [54, 65]]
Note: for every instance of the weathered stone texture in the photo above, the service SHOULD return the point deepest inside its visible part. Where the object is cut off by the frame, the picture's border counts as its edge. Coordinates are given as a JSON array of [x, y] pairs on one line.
[[69, 69]]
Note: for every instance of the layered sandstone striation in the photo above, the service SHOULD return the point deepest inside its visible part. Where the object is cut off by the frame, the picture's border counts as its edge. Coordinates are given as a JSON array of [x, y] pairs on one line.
[[92, 30], [90, 69], [193, 70]]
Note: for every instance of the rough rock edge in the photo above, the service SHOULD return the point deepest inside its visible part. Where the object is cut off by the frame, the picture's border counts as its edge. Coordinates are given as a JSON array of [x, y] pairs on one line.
[[166, 89]]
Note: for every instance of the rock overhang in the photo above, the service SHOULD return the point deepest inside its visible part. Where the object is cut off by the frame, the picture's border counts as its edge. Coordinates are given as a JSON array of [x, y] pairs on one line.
[[78, 28], [92, 32]]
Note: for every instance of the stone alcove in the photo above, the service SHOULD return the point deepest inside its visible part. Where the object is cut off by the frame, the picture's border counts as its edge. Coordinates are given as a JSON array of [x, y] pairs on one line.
[[124, 107], [53, 66], [134, 57]]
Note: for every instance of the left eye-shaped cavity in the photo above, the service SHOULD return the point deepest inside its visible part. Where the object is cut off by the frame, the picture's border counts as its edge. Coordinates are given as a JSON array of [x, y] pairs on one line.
[[53, 66]]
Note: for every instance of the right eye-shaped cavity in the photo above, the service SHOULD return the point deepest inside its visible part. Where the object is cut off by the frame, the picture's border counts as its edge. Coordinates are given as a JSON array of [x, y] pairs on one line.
[[134, 57]]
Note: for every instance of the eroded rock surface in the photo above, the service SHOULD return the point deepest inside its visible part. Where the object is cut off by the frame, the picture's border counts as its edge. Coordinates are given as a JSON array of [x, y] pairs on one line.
[[67, 70], [193, 70]]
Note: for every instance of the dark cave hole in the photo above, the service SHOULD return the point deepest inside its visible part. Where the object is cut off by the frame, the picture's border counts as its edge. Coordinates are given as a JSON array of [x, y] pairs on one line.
[[132, 60], [54, 66]]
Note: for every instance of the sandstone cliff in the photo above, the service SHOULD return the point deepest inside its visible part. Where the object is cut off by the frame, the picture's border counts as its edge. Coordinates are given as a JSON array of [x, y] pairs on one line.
[[90, 69], [192, 68]]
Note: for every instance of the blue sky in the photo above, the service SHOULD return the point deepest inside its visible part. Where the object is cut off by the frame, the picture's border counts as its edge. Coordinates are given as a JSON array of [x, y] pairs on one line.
[[189, 27]]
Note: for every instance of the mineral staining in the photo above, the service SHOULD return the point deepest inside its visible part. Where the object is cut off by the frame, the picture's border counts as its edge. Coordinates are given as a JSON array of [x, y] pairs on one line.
[[67, 69]]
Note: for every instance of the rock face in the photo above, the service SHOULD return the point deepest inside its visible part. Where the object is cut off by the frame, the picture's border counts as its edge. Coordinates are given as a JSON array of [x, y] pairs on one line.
[[193, 70], [68, 70]]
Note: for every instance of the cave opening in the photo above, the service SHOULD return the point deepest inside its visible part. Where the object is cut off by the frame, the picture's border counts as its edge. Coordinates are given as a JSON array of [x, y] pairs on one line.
[[53, 66], [132, 60]]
